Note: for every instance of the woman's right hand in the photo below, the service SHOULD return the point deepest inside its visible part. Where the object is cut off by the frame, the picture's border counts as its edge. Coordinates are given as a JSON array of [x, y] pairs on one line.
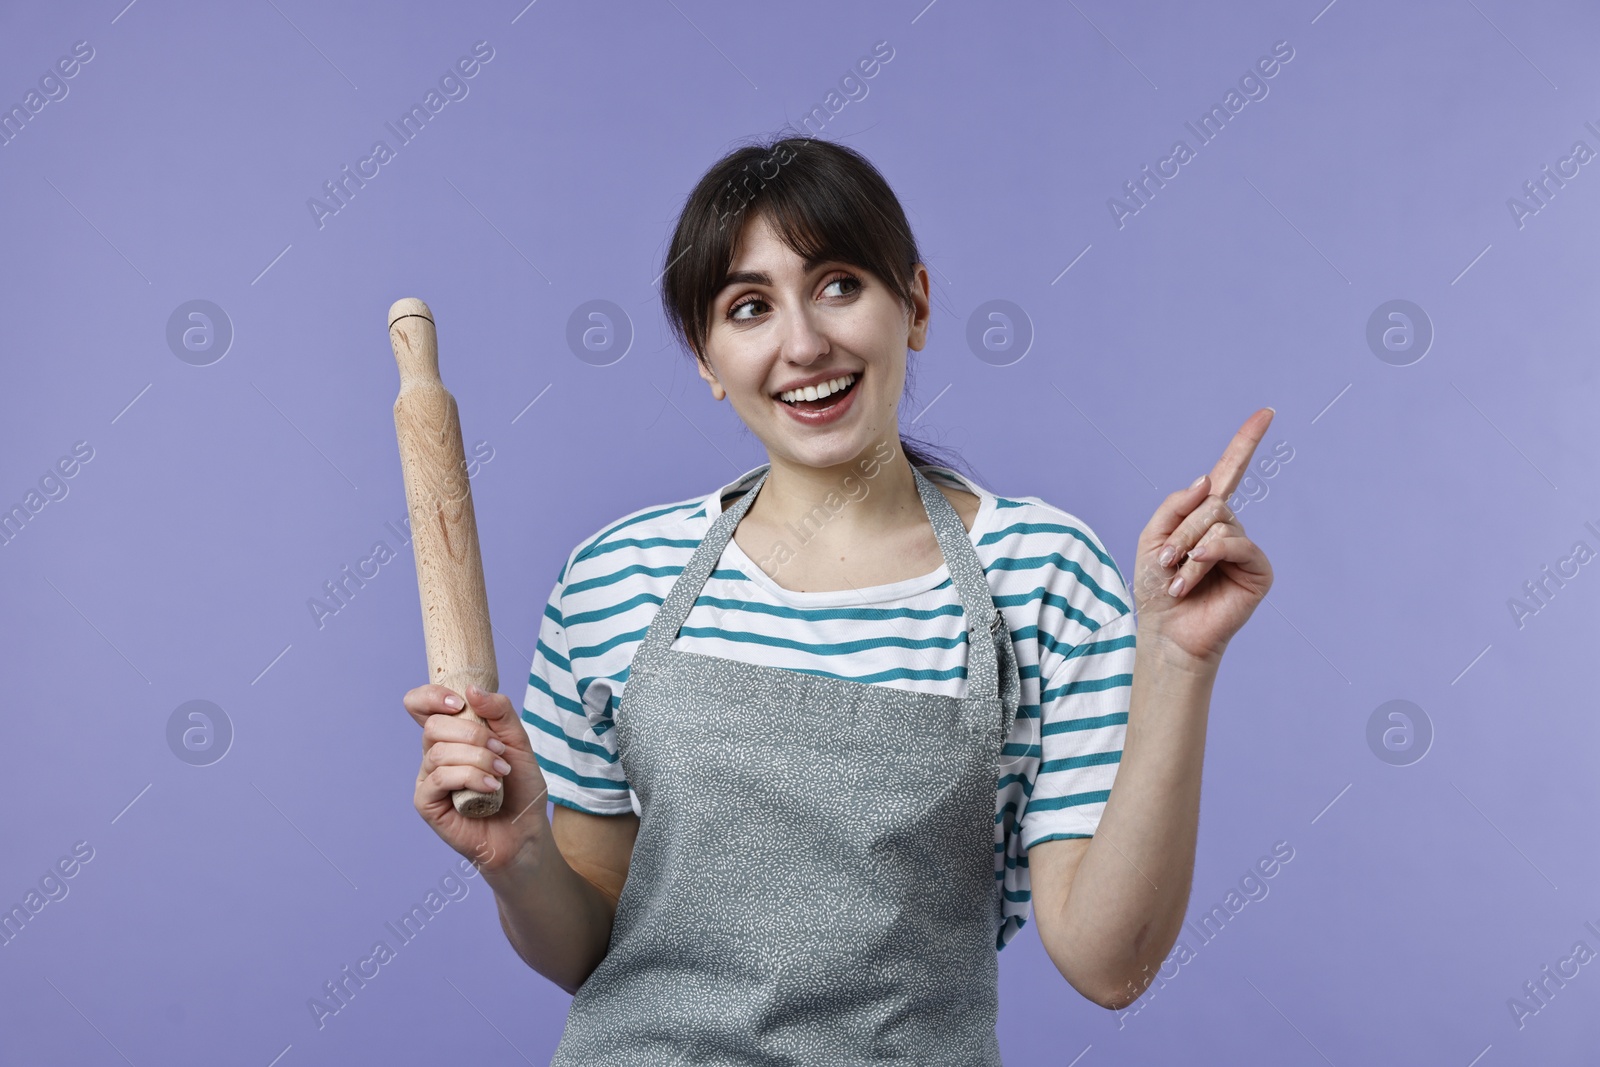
[[483, 756]]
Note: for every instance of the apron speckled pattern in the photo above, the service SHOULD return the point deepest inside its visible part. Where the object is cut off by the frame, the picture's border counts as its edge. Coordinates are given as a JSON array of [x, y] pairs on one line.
[[813, 881]]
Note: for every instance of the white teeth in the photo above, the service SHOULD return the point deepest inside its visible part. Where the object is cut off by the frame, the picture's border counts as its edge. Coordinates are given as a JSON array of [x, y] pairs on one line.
[[816, 392]]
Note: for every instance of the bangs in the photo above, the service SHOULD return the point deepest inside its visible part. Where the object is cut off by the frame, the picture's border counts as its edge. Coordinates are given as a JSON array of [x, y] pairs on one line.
[[823, 201]]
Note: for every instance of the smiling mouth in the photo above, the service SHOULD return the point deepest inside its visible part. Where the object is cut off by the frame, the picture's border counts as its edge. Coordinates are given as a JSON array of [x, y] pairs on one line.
[[819, 401]]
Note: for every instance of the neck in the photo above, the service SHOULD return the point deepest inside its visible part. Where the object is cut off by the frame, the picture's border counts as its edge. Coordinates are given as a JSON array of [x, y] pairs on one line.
[[874, 491]]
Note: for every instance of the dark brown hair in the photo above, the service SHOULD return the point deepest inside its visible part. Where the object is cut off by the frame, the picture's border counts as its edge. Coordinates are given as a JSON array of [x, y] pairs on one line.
[[823, 200]]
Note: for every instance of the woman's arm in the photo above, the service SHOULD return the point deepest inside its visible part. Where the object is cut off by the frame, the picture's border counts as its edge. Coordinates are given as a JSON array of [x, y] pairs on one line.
[[556, 885], [1110, 908], [558, 897]]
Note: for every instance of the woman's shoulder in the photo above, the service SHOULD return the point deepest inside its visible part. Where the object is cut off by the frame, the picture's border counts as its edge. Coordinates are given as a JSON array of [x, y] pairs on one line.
[[1029, 541], [1009, 514], [669, 528], [967, 502]]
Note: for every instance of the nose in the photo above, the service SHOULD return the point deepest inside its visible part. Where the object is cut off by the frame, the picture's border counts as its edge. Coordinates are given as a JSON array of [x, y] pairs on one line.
[[802, 341]]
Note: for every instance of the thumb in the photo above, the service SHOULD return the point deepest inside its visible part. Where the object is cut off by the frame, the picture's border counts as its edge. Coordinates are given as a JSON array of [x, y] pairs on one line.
[[1175, 508], [499, 715], [526, 785]]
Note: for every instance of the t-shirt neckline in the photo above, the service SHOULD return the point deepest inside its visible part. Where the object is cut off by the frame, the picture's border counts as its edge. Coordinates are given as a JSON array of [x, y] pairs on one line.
[[871, 594]]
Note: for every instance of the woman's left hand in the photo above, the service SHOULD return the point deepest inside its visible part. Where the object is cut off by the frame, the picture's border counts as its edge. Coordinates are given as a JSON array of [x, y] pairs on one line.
[[1197, 577]]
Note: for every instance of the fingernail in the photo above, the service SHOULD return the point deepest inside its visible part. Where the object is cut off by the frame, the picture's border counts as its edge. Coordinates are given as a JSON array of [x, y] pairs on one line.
[[491, 784], [1168, 554], [1197, 551], [473, 692], [453, 701], [496, 745], [1176, 587], [502, 767], [1196, 483]]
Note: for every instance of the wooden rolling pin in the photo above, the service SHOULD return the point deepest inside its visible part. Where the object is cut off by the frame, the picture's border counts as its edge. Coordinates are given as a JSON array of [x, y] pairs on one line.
[[444, 531]]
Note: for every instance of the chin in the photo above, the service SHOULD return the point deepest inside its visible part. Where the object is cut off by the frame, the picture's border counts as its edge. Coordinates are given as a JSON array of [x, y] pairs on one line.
[[824, 454]]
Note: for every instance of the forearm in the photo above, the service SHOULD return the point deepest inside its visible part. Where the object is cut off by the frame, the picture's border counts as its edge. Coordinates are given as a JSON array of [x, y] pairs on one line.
[[1131, 889], [555, 919]]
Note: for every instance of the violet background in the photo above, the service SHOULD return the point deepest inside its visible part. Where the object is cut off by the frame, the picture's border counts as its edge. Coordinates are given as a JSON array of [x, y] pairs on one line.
[[220, 498]]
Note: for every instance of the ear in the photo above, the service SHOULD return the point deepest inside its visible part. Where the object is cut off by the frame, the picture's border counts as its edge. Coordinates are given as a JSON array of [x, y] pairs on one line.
[[717, 392], [917, 326]]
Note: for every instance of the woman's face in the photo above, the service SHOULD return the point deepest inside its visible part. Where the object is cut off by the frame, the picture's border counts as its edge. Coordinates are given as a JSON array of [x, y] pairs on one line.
[[780, 322]]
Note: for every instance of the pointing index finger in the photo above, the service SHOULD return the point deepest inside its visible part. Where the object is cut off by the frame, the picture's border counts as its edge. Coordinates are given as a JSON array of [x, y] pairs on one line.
[[1225, 476]]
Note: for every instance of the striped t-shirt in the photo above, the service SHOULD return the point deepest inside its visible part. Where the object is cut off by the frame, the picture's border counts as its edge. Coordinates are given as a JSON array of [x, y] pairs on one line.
[[1063, 598]]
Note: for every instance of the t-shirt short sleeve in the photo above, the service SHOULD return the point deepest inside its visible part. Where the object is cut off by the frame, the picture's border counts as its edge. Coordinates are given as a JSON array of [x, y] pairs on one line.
[[574, 740], [1085, 684]]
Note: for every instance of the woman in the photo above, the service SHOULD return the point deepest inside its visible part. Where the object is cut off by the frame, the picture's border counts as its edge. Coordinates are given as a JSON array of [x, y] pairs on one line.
[[819, 739]]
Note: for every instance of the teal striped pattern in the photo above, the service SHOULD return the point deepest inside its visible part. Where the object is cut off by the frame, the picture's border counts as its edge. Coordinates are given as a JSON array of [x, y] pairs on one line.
[[1064, 600]]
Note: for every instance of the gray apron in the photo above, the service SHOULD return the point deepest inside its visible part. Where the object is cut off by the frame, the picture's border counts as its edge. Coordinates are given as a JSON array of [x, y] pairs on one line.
[[813, 881]]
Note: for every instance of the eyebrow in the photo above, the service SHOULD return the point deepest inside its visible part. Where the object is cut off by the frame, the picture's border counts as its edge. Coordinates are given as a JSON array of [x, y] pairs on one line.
[[757, 277]]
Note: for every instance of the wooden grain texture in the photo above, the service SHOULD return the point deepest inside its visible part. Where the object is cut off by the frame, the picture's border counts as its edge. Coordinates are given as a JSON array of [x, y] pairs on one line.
[[444, 530]]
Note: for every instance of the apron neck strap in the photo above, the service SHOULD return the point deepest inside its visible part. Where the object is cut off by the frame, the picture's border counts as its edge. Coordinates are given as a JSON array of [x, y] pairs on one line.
[[984, 621]]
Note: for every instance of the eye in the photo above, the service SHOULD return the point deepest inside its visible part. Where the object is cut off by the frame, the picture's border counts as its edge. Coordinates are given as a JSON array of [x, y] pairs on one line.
[[733, 312], [852, 279], [754, 301]]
